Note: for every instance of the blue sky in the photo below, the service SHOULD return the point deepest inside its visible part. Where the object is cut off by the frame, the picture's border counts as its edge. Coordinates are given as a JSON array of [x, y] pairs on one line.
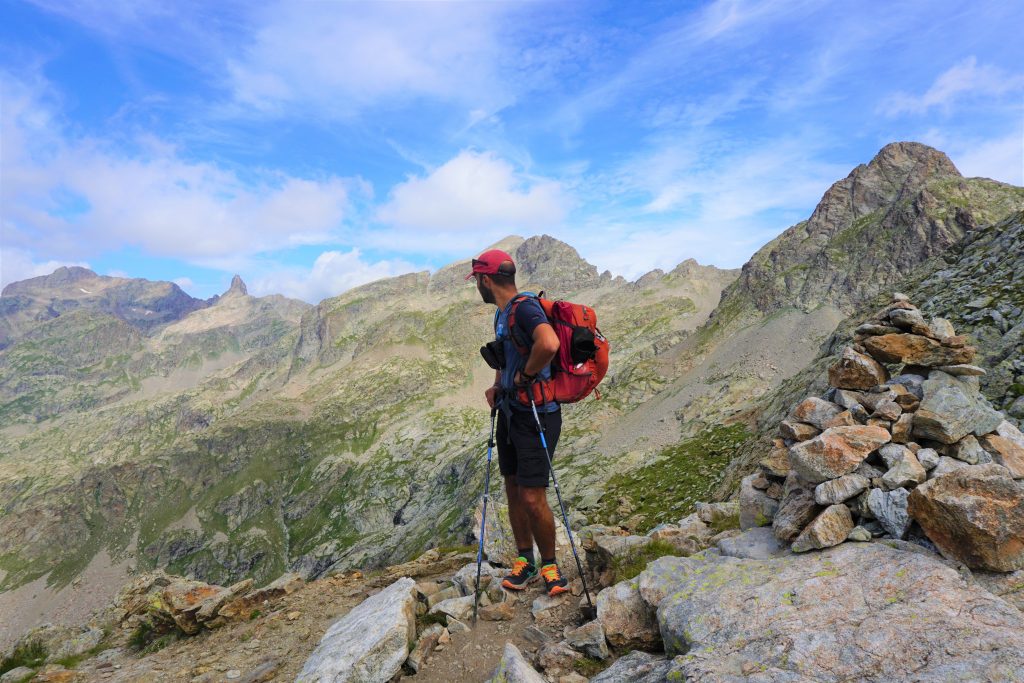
[[314, 146]]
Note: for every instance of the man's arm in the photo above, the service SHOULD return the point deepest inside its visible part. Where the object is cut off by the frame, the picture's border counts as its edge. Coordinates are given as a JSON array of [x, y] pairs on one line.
[[545, 346], [492, 390]]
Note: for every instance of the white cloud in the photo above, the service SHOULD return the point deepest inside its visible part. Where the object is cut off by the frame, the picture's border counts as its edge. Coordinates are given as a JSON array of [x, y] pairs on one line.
[[19, 264], [184, 282], [475, 192], [340, 57], [717, 185], [962, 79], [79, 195], [1000, 157], [332, 273]]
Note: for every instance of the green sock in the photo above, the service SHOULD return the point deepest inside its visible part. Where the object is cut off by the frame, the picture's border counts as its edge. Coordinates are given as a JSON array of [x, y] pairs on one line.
[[527, 555]]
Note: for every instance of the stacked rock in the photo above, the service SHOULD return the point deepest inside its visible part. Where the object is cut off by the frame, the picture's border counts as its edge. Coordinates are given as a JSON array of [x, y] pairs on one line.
[[903, 435]]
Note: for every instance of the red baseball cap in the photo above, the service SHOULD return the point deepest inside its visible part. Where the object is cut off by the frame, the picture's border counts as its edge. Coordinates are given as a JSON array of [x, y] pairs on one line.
[[489, 263]]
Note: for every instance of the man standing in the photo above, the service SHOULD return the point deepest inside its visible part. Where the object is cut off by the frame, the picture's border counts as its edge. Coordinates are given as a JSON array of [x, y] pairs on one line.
[[521, 457]]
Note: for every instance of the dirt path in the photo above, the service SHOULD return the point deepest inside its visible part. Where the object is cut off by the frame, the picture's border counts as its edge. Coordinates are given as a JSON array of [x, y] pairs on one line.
[[473, 656]]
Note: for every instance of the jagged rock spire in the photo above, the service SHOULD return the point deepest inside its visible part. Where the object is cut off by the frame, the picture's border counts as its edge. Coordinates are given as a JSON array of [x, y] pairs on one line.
[[237, 287]]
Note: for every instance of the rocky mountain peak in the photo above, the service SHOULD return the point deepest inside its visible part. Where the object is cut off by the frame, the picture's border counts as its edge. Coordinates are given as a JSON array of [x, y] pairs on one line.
[[57, 280], [908, 204], [553, 264], [237, 288]]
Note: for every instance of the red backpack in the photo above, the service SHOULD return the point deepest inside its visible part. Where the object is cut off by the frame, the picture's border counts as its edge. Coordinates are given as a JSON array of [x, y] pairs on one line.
[[582, 359]]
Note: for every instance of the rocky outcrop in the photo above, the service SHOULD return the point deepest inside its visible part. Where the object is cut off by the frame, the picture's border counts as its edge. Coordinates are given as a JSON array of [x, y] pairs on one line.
[[974, 515], [896, 204], [854, 612], [854, 481], [370, 643], [514, 668]]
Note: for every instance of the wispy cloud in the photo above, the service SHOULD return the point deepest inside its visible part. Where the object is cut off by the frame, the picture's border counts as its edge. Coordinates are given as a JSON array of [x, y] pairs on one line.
[[472, 193], [339, 58], [966, 78], [332, 273], [78, 195], [21, 264]]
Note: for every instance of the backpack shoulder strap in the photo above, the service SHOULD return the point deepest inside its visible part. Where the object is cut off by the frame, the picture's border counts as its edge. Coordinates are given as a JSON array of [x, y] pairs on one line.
[[522, 344]]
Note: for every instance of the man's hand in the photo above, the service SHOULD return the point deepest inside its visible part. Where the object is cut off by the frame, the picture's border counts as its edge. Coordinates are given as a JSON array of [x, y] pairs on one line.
[[491, 395], [522, 381]]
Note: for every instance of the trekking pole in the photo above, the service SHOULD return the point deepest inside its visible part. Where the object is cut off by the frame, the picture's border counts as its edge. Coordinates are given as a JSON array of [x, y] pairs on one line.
[[483, 520], [589, 612]]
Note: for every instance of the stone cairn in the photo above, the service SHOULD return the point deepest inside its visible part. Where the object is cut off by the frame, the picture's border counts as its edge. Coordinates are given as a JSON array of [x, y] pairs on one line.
[[901, 446]]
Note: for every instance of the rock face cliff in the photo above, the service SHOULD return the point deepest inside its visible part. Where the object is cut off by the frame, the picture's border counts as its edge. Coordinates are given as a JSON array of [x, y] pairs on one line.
[[906, 205]]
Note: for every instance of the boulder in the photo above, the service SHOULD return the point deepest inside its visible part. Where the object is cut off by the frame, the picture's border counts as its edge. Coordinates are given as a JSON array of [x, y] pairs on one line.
[[1009, 586], [892, 453], [969, 451], [16, 675], [370, 643], [911, 382], [914, 349], [929, 458], [835, 452], [465, 578], [855, 612], [77, 644], [183, 598], [841, 489], [890, 509], [513, 668], [776, 464], [974, 515], [499, 611], [627, 620], [687, 539], [459, 608], [910, 319], [556, 658], [1005, 452], [636, 667], [588, 639], [1008, 431], [856, 371], [946, 465], [424, 647], [719, 515], [843, 419], [242, 607], [887, 410], [941, 327], [756, 507], [797, 431], [796, 511], [905, 472], [962, 370], [815, 411], [950, 411], [755, 544], [829, 528], [602, 552]]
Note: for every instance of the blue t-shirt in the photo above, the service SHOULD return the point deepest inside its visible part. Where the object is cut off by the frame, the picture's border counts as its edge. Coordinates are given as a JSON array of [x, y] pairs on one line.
[[529, 314]]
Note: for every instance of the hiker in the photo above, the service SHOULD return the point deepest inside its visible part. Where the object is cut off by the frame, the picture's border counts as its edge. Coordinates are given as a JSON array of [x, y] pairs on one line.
[[521, 457]]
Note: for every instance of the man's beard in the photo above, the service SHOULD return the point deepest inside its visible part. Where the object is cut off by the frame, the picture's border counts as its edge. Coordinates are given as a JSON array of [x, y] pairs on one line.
[[486, 293]]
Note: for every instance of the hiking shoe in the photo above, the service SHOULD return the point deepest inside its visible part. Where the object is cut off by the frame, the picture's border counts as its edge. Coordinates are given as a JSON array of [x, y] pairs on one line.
[[523, 574], [554, 582]]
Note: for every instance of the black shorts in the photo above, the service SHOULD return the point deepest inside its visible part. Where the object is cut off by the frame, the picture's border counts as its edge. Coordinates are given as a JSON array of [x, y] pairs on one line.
[[519, 448]]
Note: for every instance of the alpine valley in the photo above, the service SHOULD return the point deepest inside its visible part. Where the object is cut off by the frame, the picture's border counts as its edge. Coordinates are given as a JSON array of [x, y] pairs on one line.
[[247, 437]]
